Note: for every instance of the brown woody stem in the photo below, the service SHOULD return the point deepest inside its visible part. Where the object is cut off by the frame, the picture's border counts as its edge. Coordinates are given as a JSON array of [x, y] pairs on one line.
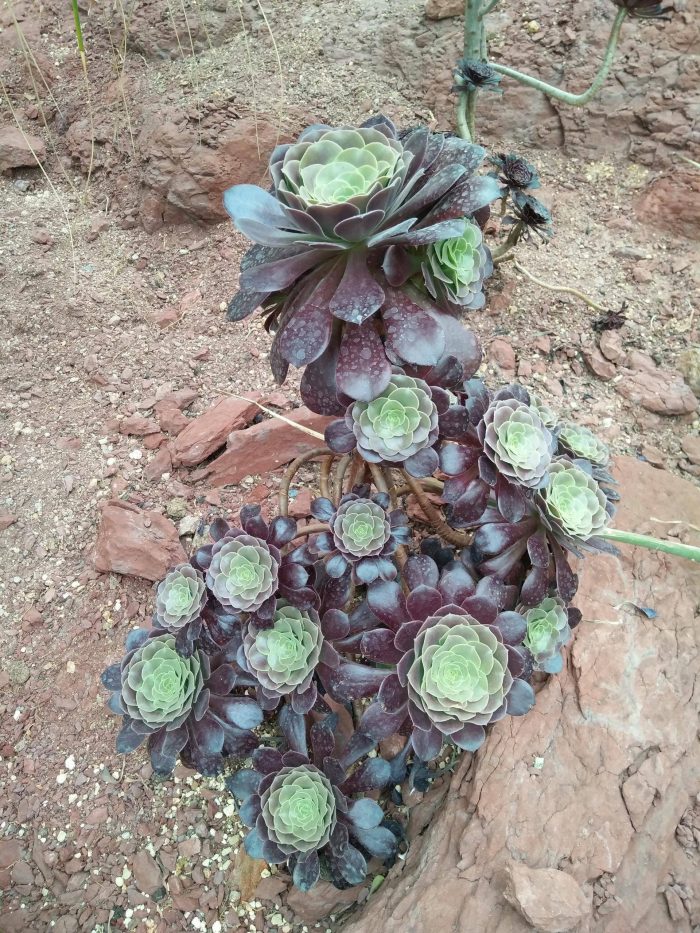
[[291, 471], [458, 538]]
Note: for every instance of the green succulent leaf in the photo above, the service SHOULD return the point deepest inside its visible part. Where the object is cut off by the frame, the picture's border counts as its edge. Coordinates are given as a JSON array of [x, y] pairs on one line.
[[457, 262], [517, 441], [399, 422], [574, 501], [180, 597], [159, 686], [547, 629], [361, 528], [581, 442], [284, 657], [299, 809], [243, 573]]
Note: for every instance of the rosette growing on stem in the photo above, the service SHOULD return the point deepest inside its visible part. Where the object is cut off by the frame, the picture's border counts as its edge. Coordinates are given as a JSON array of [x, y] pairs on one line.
[[332, 256], [456, 649], [363, 535], [454, 269], [579, 441], [516, 173], [548, 631], [645, 9], [471, 74], [573, 502], [184, 705], [309, 811]]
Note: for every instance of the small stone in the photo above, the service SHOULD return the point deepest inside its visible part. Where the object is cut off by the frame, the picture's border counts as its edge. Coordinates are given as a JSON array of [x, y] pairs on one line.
[[548, 899], [610, 344], [176, 508], [161, 463], [639, 361], [658, 391], [19, 150], [17, 671], [190, 847], [147, 874], [133, 541], [599, 366], [188, 525], [208, 432], [691, 448], [33, 617], [167, 317], [543, 344], [502, 354], [442, 9], [654, 456], [689, 366], [6, 519], [300, 505]]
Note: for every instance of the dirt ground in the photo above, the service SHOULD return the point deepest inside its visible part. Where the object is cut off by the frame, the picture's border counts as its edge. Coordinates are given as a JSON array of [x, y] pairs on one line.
[[83, 287]]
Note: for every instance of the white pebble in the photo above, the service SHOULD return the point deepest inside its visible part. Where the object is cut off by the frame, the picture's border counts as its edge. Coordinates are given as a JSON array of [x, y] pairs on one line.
[[70, 761]]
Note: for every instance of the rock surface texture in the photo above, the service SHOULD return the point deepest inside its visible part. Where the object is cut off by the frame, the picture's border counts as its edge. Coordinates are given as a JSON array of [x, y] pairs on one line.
[[596, 790], [133, 541]]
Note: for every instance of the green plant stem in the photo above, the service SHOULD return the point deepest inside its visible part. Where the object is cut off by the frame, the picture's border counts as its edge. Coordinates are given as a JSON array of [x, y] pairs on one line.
[[511, 240], [566, 97], [473, 49], [676, 548], [462, 120]]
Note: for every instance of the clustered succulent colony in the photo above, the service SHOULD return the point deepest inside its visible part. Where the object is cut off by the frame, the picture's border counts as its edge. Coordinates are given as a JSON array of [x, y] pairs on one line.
[[430, 588]]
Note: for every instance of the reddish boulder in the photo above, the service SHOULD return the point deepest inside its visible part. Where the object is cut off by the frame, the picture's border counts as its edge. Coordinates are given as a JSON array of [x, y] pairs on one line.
[[136, 542], [16, 149], [660, 391], [170, 418], [672, 202], [595, 781], [265, 447], [205, 434], [547, 898]]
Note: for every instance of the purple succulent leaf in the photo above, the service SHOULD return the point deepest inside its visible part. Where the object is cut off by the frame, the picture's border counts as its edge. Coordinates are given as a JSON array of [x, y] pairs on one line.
[[429, 232], [333, 770], [293, 576], [535, 585], [423, 463], [420, 570], [456, 459], [359, 295], [365, 813], [307, 871], [279, 274], [512, 627], [575, 616], [267, 760], [465, 198], [222, 681], [427, 743], [293, 728], [367, 570], [469, 737], [352, 681], [253, 523], [115, 705], [280, 367], [128, 738], [244, 783], [339, 437], [164, 748], [372, 774], [253, 844], [454, 423], [317, 388], [378, 646], [282, 531], [511, 500], [241, 712], [303, 701], [293, 759], [437, 185], [111, 677], [461, 343], [471, 505], [218, 528], [304, 598], [307, 332], [406, 635], [388, 603], [335, 624], [250, 202], [351, 864], [336, 592], [243, 304], [442, 399], [422, 602], [378, 841], [482, 608], [362, 371], [488, 471], [567, 581], [380, 724], [412, 334], [359, 744], [208, 734], [323, 738], [455, 584], [391, 694], [398, 266], [361, 618], [517, 660], [336, 566], [201, 559], [250, 810], [201, 704], [520, 699], [272, 853], [390, 233], [322, 509], [136, 638], [239, 743]]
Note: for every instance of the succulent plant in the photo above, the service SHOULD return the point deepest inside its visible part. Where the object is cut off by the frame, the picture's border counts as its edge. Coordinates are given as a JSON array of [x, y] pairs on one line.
[[454, 269], [283, 658], [548, 631], [180, 598], [516, 441], [548, 416], [334, 241], [185, 706], [573, 501], [515, 172], [579, 441], [159, 687], [645, 9], [532, 214], [302, 811], [474, 75], [243, 572], [363, 535]]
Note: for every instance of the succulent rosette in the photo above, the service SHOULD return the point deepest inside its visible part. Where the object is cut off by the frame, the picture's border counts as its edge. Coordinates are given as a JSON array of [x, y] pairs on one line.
[[514, 172], [548, 416], [180, 598], [309, 811], [573, 502], [399, 426], [245, 570], [472, 74], [363, 535], [532, 214], [645, 9], [333, 249], [454, 269], [455, 645], [579, 441], [184, 705], [503, 450], [548, 631]]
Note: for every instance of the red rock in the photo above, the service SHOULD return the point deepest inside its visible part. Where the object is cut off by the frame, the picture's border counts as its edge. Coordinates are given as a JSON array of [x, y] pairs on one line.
[[170, 418], [138, 425], [442, 9], [662, 392], [167, 317], [10, 852], [640, 361], [599, 366], [181, 398], [672, 202], [300, 505], [654, 456], [190, 847], [146, 872], [264, 447], [33, 617], [549, 899], [153, 441], [16, 149], [161, 463], [323, 899], [610, 344], [269, 889], [206, 433], [627, 695], [503, 354], [543, 344], [691, 448], [6, 519], [22, 874], [136, 542]]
